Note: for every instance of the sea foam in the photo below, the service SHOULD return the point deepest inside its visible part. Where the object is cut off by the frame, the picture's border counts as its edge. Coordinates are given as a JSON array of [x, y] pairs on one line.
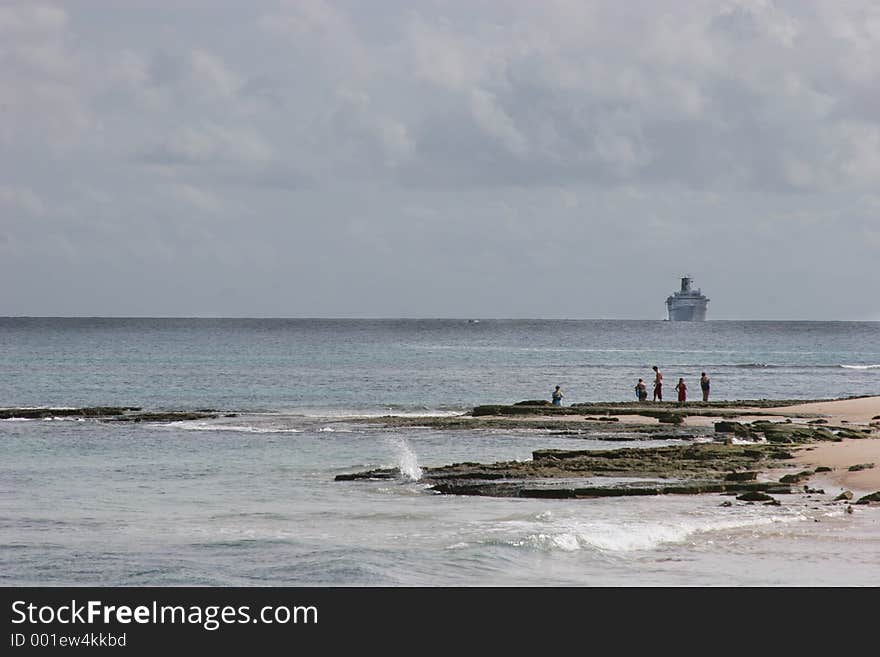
[[617, 537], [205, 426]]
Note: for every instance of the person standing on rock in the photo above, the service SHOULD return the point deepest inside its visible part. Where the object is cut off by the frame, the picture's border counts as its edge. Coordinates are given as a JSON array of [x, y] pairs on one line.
[[704, 386], [641, 391], [658, 384], [557, 396], [681, 388]]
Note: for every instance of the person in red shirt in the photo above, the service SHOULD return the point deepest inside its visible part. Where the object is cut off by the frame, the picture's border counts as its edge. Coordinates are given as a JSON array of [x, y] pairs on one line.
[[681, 389]]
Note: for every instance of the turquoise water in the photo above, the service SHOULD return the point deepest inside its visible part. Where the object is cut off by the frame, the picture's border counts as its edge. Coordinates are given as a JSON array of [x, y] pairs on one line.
[[251, 500]]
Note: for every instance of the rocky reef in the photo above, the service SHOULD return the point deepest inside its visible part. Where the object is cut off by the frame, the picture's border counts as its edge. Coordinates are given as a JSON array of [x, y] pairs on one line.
[[684, 469], [729, 457], [107, 414]]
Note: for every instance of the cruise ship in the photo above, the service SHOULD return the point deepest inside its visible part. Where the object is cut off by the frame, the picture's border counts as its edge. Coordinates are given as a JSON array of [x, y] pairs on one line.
[[687, 305]]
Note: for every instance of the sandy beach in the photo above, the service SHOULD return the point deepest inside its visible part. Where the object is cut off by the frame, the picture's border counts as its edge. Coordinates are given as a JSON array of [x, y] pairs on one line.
[[861, 410], [839, 456]]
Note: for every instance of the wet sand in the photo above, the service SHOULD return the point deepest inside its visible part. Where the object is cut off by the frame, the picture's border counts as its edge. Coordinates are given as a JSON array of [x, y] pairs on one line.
[[841, 456]]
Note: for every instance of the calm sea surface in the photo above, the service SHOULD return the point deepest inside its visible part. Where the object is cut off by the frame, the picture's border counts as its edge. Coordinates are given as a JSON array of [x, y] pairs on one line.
[[250, 500]]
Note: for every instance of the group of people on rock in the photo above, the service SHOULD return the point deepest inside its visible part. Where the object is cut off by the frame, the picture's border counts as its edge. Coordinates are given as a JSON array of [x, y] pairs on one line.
[[680, 387], [642, 389]]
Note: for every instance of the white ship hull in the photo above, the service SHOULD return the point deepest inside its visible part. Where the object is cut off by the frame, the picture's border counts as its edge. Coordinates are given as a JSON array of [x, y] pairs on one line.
[[687, 310], [687, 305]]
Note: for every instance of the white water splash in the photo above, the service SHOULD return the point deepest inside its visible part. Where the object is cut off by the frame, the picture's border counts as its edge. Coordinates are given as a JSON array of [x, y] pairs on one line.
[[407, 461]]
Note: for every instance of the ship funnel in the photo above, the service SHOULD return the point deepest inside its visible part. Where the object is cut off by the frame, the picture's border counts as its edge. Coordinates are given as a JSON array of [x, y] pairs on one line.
[[686, 284]]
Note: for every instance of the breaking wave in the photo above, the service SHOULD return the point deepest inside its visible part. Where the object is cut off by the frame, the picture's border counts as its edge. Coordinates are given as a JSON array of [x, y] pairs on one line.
[[628, 537]]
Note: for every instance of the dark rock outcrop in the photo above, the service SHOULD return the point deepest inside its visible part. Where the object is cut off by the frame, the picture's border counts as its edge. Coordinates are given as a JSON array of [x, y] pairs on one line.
[[755, 496], [90, 412], [796, 478], [740, 476], [553, 473], [842, 432], [107, 414], [869, 499], [738, 429], [544, 489], [169, 416], [781, 432]]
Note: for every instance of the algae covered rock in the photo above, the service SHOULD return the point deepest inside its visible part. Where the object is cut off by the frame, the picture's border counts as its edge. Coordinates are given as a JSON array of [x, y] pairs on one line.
[[736, 428], [755, 496], [868, 499], [849, 433], [741, 476], [780, 432], [796, 478]]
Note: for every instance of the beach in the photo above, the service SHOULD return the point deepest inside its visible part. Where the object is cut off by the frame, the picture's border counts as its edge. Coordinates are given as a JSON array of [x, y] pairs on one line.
[[854, 413], [839, 456], [842, 455]]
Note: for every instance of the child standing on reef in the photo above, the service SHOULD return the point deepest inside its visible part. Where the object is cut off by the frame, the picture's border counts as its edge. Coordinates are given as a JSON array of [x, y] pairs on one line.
[[681, 389], [557, 396]]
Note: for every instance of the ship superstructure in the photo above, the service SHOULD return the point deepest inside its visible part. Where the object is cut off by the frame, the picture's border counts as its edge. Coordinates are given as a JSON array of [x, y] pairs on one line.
[[687, 305]]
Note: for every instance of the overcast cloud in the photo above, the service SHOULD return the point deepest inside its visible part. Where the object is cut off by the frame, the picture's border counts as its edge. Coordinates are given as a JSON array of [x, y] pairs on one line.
[[455, 158]]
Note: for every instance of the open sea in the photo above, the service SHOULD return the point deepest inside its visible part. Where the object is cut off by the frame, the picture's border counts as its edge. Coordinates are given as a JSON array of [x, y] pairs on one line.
[[251, 500]]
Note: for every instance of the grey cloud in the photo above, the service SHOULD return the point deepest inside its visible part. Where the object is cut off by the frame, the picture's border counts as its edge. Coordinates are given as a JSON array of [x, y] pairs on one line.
[[404, 147], [208, 145]]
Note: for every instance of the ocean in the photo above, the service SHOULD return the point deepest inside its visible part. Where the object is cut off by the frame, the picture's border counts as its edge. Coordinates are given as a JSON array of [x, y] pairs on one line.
[[251, 500]]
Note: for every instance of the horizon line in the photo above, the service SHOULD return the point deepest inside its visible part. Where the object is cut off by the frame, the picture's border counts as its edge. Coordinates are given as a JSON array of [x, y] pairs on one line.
[[435, 318]]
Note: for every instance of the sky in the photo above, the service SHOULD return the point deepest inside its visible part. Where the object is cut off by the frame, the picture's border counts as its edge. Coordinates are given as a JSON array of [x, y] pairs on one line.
[[448, 158]]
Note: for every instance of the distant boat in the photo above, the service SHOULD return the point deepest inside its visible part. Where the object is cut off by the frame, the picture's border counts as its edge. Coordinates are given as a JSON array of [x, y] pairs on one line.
[[687, 305], [473, 321]]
